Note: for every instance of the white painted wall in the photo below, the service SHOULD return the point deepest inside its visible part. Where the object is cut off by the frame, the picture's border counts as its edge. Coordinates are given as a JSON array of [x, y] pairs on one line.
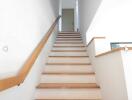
[[23, 24], [113, 19], [109, 71], [87, 11], [127, 57], [68, 4]]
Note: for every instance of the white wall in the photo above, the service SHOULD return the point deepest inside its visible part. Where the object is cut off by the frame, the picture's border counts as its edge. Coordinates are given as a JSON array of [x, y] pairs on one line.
[[109, 71], [113, 20], [68, 4], [87, 10], [127, 57], [23, 24]]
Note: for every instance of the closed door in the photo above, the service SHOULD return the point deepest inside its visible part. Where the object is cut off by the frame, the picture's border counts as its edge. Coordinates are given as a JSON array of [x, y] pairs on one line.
[[68, 20]]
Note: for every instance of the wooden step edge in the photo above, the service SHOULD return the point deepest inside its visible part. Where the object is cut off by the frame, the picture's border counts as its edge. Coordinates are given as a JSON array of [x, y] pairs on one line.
[[67, 85], [71, 41], [67, 99], [68, 50], [68, 46], [68, 37], [65, 35], [68, 73], [69, 32], [68, 63], [62, 40], [68, 42], [68, 56]]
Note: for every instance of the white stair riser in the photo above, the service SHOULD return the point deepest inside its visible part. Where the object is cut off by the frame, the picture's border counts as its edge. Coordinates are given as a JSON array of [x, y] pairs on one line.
[[68, 94]]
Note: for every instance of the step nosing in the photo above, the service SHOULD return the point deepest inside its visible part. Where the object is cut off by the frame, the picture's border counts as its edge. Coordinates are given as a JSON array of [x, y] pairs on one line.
[[67, 85], [68, 63], [69, 56], [68, 50], [69, 46], [67, 73]]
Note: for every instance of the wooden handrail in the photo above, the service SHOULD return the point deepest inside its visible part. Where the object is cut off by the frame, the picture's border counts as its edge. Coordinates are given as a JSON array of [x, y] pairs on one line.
[[94, 39], [113, 50], [20, 77], [107, 52]]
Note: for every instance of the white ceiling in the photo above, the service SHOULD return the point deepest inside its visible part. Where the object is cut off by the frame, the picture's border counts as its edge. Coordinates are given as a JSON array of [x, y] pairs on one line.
[[68, 3]]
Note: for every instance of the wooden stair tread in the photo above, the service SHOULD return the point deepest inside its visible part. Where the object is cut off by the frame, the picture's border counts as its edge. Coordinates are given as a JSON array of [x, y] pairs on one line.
[[68, 69], [72, 35], [67, 85], [68, 63], [68, 42], [72, 45], [68, 36], [68, 94], [68, 73], [68, 78], [69, 54], [70, 60], [68, 32], [68, 50], [69, 39]]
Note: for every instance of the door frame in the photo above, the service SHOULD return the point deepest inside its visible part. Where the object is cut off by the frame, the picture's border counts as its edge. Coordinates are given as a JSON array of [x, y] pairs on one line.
[[76, 14], [73, 17]]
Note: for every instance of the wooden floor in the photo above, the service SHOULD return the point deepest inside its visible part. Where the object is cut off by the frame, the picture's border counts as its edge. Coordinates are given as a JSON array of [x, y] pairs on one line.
[[68, 74]]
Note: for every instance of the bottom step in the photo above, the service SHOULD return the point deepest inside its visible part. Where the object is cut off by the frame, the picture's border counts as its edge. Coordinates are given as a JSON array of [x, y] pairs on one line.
[[68, 94]]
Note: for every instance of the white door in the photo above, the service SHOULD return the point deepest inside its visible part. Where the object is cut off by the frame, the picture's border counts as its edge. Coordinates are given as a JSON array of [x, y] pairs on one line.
[[67, 19]]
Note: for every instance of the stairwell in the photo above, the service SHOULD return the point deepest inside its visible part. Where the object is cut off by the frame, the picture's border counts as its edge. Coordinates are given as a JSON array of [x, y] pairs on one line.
[[68, 74]]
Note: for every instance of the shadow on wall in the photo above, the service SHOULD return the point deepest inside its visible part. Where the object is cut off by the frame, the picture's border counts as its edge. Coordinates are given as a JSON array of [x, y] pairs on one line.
[[88, 9], [55, 6]]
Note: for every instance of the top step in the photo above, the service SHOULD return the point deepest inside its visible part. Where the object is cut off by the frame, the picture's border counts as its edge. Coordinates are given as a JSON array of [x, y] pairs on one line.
[[68, 35], [69, 32]]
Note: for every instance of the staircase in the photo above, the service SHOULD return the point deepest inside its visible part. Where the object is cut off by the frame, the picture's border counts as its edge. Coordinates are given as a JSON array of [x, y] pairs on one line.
[[68, 74]]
